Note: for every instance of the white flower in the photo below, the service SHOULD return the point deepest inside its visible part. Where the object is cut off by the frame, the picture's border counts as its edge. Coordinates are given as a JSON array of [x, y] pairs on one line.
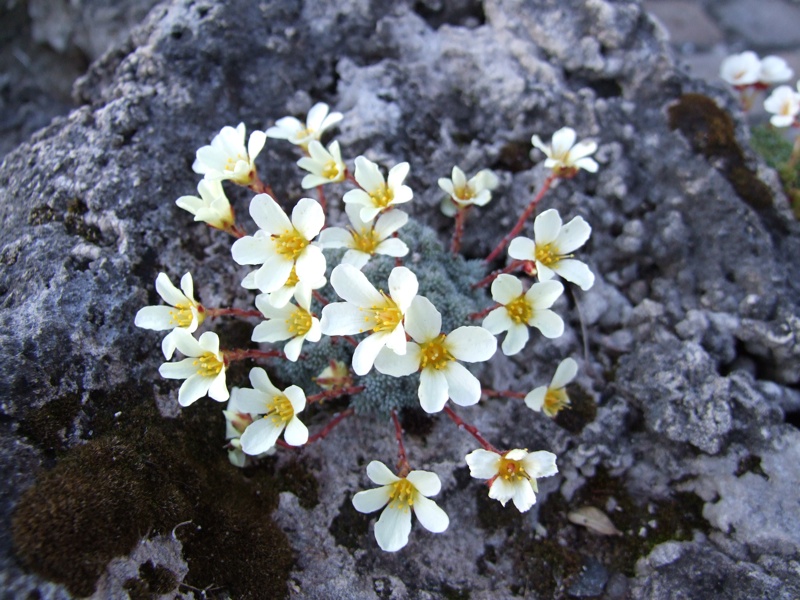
[[401, 495], [367, 309], [227, 157], [184, 311], [365, 239], [203, 370], [283, 294], [281, 245], [436, 354], [564, 156], [299, 133], [550, 399], [774, 70], [280, 410], [551, 249], [290, 322], [463, 193], [378, 193], [211, 207], [236, 421], [741, 69], [323, 166], [784, 104], [522, 310], [513, 475]]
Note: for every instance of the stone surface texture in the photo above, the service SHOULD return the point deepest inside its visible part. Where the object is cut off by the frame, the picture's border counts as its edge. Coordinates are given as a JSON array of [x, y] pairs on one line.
[[693, 325]]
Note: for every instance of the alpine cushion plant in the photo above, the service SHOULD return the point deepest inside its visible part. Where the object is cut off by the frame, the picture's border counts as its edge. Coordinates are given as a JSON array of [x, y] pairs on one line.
[[377, 291]]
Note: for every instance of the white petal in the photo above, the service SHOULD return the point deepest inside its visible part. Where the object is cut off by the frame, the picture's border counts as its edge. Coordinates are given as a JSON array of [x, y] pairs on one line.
[[295, 434], [422, 321], [430, 515], [186, 343], [565, 373], [506, 288], [158, 318], [397, 175], [308, 218], [522, 248], [587, 164], [168, 291], [355, 258], [563, 140], [274, 330], [250, 250], [540, 464], [253, 401], [255, 144], [544, 294], [194, 388], [516, 338], [392, 529], [354, 287], [343, 318], [573, 235], [462, 386], [482, 463], [335, 237], [432, 390], [426, 482], [546, 227], [367, 174], [168, 345], [367, 351], [310, 266], [548, 322], [392, 247], [535, 398], [396, 340], [543, 272], [293, 347], [371, 500], [316, 115], [178, 370], [471, 344], [379, 473], [274, 273], [260, 436], [396, 365], [389, 222], [403, 287], [524, 497], [501, 490], [261, 382], [268, 215], [297, 397], [575, 271], [497, 321]]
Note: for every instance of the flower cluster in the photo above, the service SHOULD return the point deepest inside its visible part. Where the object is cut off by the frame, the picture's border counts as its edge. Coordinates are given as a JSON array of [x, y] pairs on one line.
[[339, 295]]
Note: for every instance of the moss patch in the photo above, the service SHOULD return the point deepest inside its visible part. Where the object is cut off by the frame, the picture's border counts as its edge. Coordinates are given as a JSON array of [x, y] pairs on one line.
[[581, 411], [145, 475], [776, 151]]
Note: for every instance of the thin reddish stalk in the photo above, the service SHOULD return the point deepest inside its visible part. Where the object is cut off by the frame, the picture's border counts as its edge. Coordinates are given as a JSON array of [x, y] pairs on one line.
[[234, 355], [458, 232], [322, 201], [319, 297], [402, 460], [334, 393], [483, 313], [524, 217], [502, 393], [333, 423], [512, 266], [472, 430], [235, 312]]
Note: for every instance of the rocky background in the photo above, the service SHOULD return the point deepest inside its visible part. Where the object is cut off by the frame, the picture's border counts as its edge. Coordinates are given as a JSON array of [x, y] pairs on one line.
[[684, 429]]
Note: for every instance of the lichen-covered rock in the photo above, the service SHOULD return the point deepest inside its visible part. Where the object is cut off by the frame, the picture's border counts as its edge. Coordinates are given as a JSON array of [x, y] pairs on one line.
[[689, 347]]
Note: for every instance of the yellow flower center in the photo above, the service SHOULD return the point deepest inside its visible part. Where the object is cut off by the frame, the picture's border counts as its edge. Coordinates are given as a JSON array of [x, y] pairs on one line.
[[280, 410], [512, 470], [293, 279], [547, 255], [208, 365], [382, 197], [464, 193], [519, 310], [299, 322], [330, 170], [290, 244], [554, 401], [433, 354], [366, 241], [182, 316], [388, 316], [401, 496]]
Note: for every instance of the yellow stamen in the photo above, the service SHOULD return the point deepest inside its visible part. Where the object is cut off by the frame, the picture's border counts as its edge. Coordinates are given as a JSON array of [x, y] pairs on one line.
[[293, 279], [299, 322], [519, 310], [512, 470], [366, 241], [330, 170], [554, 401], [401, 496], [464, 193], [433, 354], [388, 316], [182, 316], [382, 196], [208, 365], [547, 255], [290, 244], [280, 410]]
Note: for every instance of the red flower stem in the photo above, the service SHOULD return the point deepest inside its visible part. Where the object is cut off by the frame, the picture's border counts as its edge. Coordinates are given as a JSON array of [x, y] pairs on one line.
[[483, 313], [402, 461], [461, 216], [259, 187], [236, 312], [322, 201], [512, 266], [335, 393], [234, 355], [319, 297], [350, 177], [471, 429], [236, 231], [333, 423], [524, 217], [502, 393]]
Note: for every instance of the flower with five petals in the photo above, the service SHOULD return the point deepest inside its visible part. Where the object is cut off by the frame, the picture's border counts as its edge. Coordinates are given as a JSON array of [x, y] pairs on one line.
[[301, 134], [378, 194], [290, 322], [564, 156], [462, 193], [550, 399], [211, 207], [227, 158], [323, 166], [784, 104], [203, 369]]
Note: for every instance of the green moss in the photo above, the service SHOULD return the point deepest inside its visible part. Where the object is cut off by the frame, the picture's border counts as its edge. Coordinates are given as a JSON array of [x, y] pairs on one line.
[[776, 151], [144, 475]]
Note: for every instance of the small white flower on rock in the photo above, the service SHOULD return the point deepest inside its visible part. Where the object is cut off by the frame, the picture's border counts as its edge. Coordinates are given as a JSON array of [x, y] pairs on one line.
[[550, 399], [279, 410], [521, 310], [290, 322], [211, 207], [236, 421], [513, 475], [784, 104], [365, 239], [553, 246], [741, 70], [184, 311], [564, 156], [324, 166], [367, 309], [227, 157], [401, 496], [462, 193], [774, 69], [301, 134], [378, 194], [435, 355], [203, 370], [282, 246]]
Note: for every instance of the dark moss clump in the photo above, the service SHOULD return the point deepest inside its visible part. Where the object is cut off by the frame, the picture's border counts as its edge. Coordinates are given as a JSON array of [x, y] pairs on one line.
[[750, 464], [50, 425], [152, 580], [144, 477], [710, 130], [350, 527], [581, 411]]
